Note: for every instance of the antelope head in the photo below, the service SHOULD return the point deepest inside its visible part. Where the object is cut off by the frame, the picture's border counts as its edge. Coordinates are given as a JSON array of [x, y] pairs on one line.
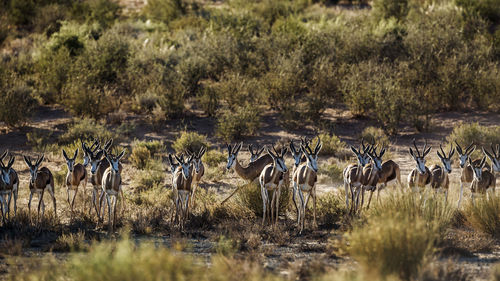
[[197, 158], [254, 154], [232, 154], [70, 162], [312, 156], [478, 169], [464, 155], [494, 157], [362, 153], [95, 158], [185, 165], [376, 158], [420, 158], [5, 169], [114, 161], [296, 154], [173, 165], [446, 158], [33, 167], [278, 158], [86, 149]]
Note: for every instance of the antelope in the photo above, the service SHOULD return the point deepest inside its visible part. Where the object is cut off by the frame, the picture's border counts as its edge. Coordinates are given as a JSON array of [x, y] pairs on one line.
[[420, 176], [254, 155], [271, 178], [467, 174], [111, 186], [98, 165], [484, 180], [76, 174], [249, 173], [198, 171], [352, 175], [93, 148], [297, 159], [173, 168], [41, 180], [440, 174], [183, 179], [371, 174], [9, 182], [494, 157], [304, 181]]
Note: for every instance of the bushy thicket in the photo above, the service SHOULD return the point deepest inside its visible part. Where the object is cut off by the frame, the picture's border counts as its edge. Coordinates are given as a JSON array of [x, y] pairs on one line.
[[398, 63]]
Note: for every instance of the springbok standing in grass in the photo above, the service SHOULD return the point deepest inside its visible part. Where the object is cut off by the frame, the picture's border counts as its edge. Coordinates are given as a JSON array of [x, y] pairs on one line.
[[371, 174], [112, 186], [297, 156], [271, 178], [254, 154], [249, 173], [41, 180], [304, 181], [173, 168], [440, 174], [352, 175], [467, 174], [183, 180], [86, 156], [10, 181], [198, 172], [76, 174], [484, 180], [420, 176]]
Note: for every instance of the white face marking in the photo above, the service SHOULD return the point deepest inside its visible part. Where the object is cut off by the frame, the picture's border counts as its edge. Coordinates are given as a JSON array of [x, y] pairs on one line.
[[378, 163], [86, 160], [421, 165], [478, 172], [185, 170], [463, 160], [254, 158], [197, 165], [93, 166], [447, 164], [71, 164], [33, 173], [312, 162], [280, 165], [496, 165], [5, 176], [230, 161], [115, 165], [297, 157]]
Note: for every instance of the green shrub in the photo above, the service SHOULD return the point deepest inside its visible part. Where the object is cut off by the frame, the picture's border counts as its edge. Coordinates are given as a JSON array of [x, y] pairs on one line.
[[149, 178], [375, 135], [234, 124], [391, 8], [332, 170], [214, 157], [154, 146], [485, 215], [164, 10], [330, 208], [332, 145], [105, 12], [140, 157], [71, 242], [481, 136], [191, 141], [22, 12], [18, 103], [85, 129], [250, 197]]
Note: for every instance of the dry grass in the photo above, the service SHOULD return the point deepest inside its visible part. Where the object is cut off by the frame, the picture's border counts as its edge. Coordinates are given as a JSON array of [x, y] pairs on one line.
[[484, 215]]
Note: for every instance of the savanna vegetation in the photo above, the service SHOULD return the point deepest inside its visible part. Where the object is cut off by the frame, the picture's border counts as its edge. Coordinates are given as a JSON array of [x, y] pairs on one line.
[[232, 64]]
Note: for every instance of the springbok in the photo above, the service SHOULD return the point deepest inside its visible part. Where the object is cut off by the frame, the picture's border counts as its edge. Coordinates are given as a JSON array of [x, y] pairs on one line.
[[297, 156], [467, 174], [11, 181], [76, 174], [93, 148], [371, 175], [198, 171], [254, 154], [112, 186], [440, 174], [173, 168], [484, 180], [352, 176], [41, 180], [98, 165], [420, 176], [494, 157], [249, 173], [183, 179], [271, 178], [304, 181]]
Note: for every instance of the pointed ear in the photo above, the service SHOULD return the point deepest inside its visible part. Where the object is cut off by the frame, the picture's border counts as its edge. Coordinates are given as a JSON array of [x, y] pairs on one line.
[[470, 162], [250, 148], [482, 161], [471, 150], [270, 153], [411, 152], [178, 159], [204, 150], [229, 150], [452, 152], [27, 161], [108, 144], [65, 155], [486, 153], [170, 160], [356, 152], [4, 154], [239, 147], [120, 156], [11, 162], [427, 151], [318, 148], [283, 152], [40, 160], [99, 154], [439, 154], [381, 153], [76, 154]]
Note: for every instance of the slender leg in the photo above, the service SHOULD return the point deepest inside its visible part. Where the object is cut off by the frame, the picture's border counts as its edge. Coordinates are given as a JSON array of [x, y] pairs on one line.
[[115, 201], [40, 202], [278, 202], [294, 192], [370, 199], [51, 192], [303, 206], [73, 200], [346, 195], [314, 207], [15, 199], [3, 209], [461, 194], [308, 195], [29, 205], [8, 205], [110, 226], [101, 198]]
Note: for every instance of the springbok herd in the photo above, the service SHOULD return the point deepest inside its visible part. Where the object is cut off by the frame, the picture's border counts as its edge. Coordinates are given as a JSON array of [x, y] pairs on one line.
[[368, 174]]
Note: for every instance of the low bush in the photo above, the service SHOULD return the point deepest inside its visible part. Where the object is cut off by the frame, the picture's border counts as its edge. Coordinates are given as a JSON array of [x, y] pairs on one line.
[[85, 129], [481, 136], [234, 124], [189, 141], [332, 170], [484, 215], [330, 208], [332, 145], [140, 157], [250, 197], [386, 9], [153, 146], [214, 157], [164, 10], [71, 242], [18, 103], [149, 178], [375, 135]]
